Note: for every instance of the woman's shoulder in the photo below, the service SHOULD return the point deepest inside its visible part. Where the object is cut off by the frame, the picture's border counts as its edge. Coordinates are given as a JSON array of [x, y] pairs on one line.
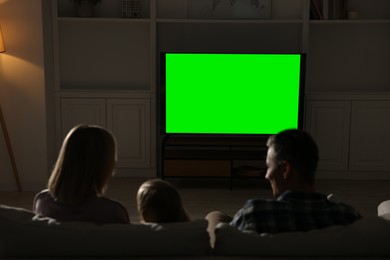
[[42, 200], [109, 202], [43, 194], [106, 204], [111, 207]]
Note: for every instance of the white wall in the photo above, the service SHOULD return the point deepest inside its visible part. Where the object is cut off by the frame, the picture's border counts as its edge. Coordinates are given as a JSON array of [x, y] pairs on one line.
[[22, 94]]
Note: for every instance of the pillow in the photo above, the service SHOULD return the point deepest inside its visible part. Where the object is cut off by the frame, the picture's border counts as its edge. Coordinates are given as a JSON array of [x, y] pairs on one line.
[[384, 207], [24, 234], [365, 237], [385, 216]]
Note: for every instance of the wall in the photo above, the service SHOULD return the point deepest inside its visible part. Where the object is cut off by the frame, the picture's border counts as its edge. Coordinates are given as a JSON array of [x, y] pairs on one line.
[[22, 94]]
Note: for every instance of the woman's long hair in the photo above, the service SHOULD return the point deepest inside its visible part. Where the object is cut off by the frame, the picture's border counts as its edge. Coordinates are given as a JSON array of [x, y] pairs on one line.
[[84, 165]]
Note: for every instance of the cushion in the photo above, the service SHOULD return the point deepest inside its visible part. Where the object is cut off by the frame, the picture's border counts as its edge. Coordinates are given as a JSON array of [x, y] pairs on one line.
[[24, 234], [384, 208], [365, 237], [385, 216]]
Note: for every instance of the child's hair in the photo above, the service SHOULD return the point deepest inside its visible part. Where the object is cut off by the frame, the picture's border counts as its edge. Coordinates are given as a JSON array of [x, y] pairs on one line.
[[158, 201]]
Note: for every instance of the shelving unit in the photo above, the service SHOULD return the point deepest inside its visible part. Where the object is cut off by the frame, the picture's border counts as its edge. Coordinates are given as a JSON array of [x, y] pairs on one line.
[[211, 156], [112, 58]]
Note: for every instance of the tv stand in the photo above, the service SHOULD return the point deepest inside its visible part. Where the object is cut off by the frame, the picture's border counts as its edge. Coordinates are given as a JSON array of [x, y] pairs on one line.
[[212, 156]]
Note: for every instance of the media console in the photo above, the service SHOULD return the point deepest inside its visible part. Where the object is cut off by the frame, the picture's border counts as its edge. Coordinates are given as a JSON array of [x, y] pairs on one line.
[[204, 156]]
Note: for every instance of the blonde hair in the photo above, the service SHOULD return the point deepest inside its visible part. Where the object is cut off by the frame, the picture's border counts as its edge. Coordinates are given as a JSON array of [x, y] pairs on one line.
[[160, 202], [84, 165]]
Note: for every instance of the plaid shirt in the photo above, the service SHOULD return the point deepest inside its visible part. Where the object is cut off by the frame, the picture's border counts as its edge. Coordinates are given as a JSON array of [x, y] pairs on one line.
[[293, 211]]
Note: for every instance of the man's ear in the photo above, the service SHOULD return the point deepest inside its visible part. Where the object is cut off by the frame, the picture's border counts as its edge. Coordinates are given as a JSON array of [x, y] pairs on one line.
[[287, 170]]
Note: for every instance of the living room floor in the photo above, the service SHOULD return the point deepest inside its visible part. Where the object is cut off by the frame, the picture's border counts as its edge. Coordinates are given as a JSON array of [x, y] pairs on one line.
[[201, 196]]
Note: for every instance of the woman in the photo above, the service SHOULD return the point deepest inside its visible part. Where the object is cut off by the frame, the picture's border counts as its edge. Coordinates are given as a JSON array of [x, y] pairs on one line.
[[160, 202], [76, 186]]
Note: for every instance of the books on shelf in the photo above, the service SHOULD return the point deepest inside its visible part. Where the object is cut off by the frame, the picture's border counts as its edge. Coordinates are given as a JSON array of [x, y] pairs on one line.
[[328, 9]]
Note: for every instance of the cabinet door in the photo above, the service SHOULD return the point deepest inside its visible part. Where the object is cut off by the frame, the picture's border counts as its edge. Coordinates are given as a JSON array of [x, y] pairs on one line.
[[328, 122], [76, 111], [370, 136], [129, 120]]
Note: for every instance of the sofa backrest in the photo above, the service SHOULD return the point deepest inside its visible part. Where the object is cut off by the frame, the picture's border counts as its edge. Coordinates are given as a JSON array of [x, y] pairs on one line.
[[365, 237], [24, 234]]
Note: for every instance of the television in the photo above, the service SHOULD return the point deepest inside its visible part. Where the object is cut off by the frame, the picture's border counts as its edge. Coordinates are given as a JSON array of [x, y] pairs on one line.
[[231, 93]]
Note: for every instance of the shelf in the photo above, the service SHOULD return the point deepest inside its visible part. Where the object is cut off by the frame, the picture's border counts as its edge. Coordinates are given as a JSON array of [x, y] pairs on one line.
[[210, 156], [106, 90], [360, 21], [215, 154], [223, 141], [230, 21], [105, 94], [110, 57], [103, 19], [106, 9]]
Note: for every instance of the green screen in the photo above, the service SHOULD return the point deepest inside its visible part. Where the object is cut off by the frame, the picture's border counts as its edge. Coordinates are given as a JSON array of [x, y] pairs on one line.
[[231, 93]]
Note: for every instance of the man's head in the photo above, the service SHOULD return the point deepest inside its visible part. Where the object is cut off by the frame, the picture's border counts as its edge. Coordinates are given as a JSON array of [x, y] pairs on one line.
[[292, 159]]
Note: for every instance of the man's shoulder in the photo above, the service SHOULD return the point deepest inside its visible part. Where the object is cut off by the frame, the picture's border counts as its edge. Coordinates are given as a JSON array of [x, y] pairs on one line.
[[301, 196], [266, 204], [288, 201]]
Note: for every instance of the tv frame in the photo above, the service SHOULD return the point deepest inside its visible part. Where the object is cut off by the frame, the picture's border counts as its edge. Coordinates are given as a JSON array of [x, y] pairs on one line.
[[162, 94]]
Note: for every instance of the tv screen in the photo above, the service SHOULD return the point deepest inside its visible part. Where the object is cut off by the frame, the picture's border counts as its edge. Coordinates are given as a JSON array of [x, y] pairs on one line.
[[231, 93]]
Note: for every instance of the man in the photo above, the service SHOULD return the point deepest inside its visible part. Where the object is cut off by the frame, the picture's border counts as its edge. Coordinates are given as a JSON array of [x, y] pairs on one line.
[[292, 159]]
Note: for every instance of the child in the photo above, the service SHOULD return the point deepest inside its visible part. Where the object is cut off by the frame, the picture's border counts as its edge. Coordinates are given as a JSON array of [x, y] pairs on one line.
[[159, 202]]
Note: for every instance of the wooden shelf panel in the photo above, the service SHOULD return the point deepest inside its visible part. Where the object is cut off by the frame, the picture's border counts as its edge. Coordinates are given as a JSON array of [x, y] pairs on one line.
[[216, 141], [197, 168], [215, 154]]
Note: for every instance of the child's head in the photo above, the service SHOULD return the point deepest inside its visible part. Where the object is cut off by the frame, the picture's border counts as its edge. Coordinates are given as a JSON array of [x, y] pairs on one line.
[[158, 201]]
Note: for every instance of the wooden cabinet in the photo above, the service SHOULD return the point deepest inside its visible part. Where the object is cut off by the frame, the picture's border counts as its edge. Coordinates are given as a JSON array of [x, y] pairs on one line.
[[127, 119], [178, 29], [200, 156], [351, 54], [76, 111], [110, 53], [353, 135], [329, 124], [348, 91], [370, 136], [105, 75], [104, 52], [105, 59]]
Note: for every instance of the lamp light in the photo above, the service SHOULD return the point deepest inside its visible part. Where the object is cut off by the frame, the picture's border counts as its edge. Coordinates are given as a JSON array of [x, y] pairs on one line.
[[5, 131], [2, 45]]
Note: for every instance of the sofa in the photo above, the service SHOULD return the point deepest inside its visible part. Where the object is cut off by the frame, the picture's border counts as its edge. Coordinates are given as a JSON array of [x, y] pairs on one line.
[[24, 235]]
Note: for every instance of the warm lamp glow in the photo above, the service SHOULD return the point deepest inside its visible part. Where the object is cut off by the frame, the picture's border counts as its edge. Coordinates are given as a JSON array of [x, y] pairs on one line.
[[5, 131], [2, 46]]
